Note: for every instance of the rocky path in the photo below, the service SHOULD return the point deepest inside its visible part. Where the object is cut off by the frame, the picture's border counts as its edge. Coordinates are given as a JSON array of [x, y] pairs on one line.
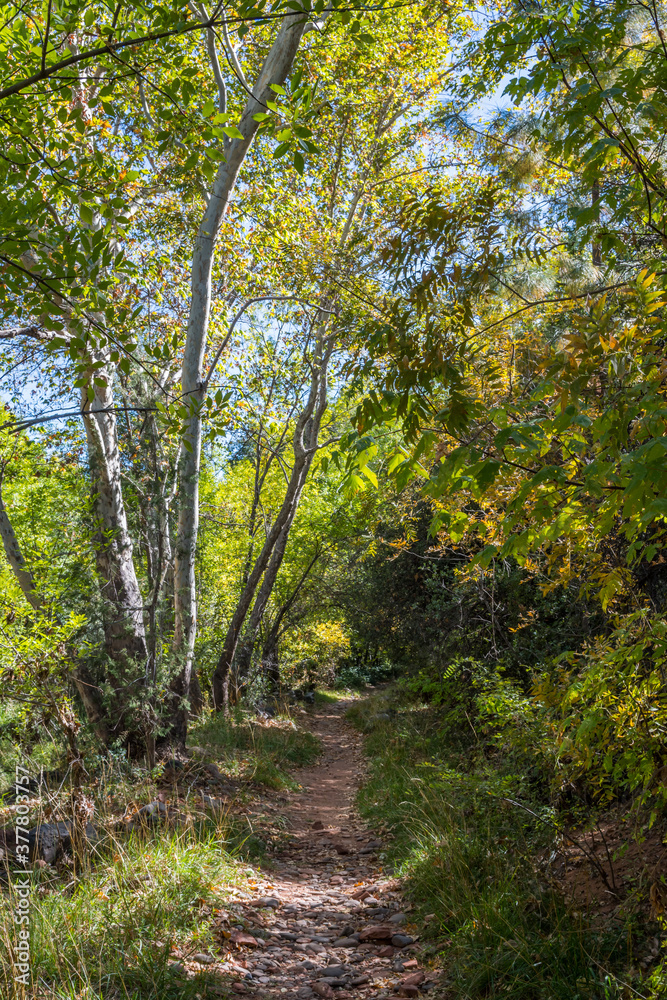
[[325, 921]]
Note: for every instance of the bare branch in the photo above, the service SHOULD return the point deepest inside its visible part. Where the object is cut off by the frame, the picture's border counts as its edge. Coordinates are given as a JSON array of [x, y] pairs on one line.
[[199, 10], [232, 57], [144, 102], [46, 36], [23, 331], [246, 305], [15, 426]]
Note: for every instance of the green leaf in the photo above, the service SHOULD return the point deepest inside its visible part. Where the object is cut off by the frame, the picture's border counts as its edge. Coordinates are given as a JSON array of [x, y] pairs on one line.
[[370, 475]]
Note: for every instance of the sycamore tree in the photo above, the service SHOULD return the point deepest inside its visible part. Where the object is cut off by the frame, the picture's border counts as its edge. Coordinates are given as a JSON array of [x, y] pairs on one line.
[[131, 176], [372, 151]]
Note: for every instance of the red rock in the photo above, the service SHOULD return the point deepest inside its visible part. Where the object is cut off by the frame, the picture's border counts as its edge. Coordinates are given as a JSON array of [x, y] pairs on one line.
[[322, 990], [239, 987], [387, 951], [336, 880], [362, 892], [411, 963], [414, 979], [378, 932], [241, 938]]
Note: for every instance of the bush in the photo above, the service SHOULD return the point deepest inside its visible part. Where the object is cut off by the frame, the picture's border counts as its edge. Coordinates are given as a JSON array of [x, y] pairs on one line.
[[357, 671], [605, 714]]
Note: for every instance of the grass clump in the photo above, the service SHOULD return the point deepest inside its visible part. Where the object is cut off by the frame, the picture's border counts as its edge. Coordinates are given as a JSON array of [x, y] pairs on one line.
[[327, 697], [474, 865], [254, 750], [266, 773], [113, 933]]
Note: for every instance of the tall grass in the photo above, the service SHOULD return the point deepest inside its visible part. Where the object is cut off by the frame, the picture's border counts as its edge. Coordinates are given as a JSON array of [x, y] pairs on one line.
[[476, 867], [256, 751], [109, 933]]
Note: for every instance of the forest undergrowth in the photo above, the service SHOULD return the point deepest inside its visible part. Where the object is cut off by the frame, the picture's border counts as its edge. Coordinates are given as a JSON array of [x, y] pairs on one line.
[[111, 926], [480, 846]]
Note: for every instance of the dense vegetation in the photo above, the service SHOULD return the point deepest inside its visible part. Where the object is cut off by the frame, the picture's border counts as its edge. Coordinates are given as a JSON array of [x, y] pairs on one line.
[[331, 354]]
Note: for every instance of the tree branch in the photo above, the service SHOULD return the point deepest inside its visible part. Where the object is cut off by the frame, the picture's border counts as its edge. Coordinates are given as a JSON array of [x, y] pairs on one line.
[[246, 305], [15, 426]]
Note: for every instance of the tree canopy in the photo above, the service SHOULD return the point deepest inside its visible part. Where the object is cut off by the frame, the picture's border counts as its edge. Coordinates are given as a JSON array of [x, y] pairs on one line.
[[332, 351]]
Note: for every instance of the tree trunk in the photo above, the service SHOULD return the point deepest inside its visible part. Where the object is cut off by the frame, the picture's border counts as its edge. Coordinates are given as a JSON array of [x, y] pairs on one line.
[[247, 645], [91, 699], [220, 680], [15, 558], [304, 445], [270, 647], [274, 71], [269, 659], [196, 695], [596, 251], [124, 633], [271, 667]]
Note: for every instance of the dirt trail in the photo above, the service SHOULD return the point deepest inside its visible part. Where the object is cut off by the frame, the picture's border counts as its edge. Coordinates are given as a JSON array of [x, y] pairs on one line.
[[330, 786], [325, 922]]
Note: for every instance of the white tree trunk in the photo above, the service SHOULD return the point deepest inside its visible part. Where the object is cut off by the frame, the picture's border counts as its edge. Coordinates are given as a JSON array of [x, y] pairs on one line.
[[125, 636], [275, 71]]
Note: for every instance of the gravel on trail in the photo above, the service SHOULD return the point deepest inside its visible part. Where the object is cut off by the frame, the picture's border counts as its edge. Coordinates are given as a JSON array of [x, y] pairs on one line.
[[323, 920]]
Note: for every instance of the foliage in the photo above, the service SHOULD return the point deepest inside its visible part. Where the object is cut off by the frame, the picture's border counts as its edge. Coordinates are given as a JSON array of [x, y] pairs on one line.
[[605, 712], [472, 861], [359, 669]]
